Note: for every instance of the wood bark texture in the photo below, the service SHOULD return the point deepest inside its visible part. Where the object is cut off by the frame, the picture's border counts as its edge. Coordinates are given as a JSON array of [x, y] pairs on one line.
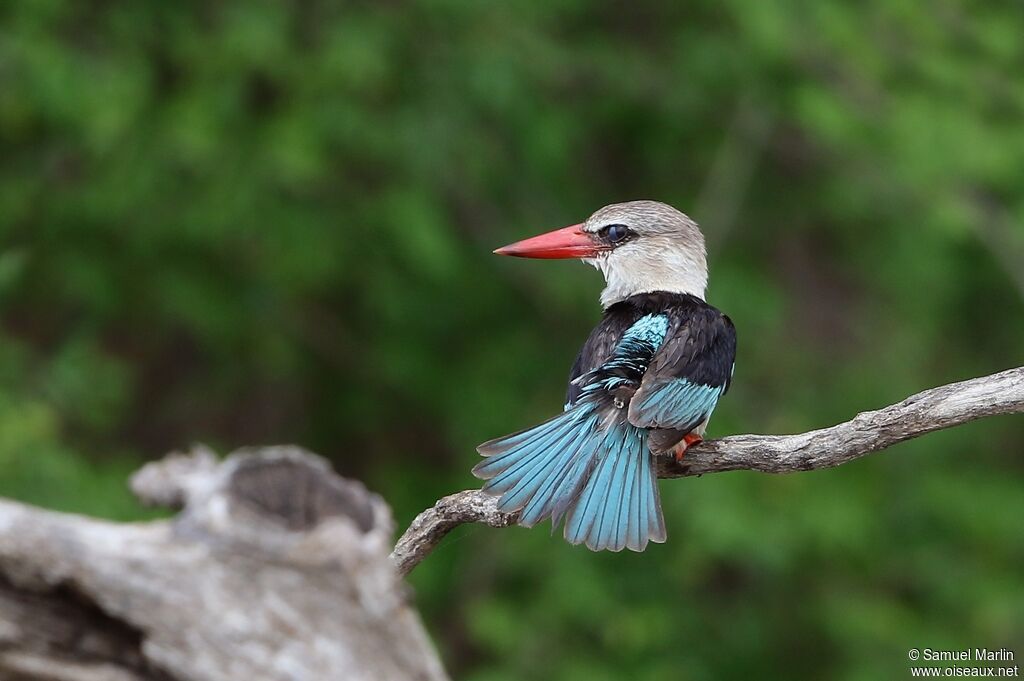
[[275, 569]]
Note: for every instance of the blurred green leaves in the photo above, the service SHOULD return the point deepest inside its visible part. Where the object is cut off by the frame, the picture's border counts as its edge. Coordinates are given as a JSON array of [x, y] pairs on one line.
[[251, 222]]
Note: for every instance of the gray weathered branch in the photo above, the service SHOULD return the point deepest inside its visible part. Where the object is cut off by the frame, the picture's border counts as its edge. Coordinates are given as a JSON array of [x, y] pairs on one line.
[[275, 570], [928, 411]]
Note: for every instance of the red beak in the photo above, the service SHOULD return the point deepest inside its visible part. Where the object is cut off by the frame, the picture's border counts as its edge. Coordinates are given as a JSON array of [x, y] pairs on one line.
[[568, 242]]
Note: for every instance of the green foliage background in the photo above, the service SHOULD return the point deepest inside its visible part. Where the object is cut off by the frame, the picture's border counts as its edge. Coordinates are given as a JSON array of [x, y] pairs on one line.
[[260, 222]]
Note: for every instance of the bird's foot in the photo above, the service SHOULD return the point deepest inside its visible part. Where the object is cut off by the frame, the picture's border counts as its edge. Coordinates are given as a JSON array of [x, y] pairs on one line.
[[684, 444]]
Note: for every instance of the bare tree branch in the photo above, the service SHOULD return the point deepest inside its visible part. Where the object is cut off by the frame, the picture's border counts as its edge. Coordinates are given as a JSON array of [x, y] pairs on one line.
[[928, 411]]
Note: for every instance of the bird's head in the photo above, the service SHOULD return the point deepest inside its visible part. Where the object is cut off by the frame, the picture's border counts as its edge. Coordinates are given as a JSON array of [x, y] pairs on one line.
[[639, 246]]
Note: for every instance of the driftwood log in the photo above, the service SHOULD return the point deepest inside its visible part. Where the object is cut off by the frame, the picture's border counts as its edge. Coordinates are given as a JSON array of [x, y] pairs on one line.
[[276, 569], [928, 411]]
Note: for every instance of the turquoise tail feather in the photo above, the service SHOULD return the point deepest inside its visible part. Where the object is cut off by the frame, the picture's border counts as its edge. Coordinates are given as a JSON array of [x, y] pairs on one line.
[[620, 506], [596, 473]]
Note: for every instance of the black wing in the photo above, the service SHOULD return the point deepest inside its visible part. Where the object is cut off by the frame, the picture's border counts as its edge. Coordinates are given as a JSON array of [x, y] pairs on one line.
[[687, 376]]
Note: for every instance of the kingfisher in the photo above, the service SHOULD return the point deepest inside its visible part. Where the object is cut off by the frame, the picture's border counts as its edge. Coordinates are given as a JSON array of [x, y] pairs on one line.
[[644, 384]]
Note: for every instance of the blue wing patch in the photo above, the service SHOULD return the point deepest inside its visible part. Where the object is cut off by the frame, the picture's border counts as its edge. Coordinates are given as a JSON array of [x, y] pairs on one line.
[[631, 357], [676, 403]]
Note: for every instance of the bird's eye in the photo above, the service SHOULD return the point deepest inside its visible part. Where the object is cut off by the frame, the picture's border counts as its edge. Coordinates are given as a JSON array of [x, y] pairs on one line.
[[615, 234]]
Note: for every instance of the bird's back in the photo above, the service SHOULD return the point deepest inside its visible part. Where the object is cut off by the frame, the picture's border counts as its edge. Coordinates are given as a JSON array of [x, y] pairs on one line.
[[682, 309]]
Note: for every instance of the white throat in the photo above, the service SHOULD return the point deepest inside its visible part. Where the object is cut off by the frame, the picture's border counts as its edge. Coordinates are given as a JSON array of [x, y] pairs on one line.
[[674, 271]]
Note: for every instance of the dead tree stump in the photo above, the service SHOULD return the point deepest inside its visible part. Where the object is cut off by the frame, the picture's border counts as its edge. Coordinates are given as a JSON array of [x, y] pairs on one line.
[[275, 569]]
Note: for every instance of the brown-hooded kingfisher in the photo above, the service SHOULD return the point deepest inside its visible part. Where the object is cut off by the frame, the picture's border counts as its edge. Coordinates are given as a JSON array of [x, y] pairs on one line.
[[644, 384]]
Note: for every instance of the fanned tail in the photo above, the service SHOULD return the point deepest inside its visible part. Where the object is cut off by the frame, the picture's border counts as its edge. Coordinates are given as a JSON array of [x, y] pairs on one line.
[[578, 463], [619, 506]]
